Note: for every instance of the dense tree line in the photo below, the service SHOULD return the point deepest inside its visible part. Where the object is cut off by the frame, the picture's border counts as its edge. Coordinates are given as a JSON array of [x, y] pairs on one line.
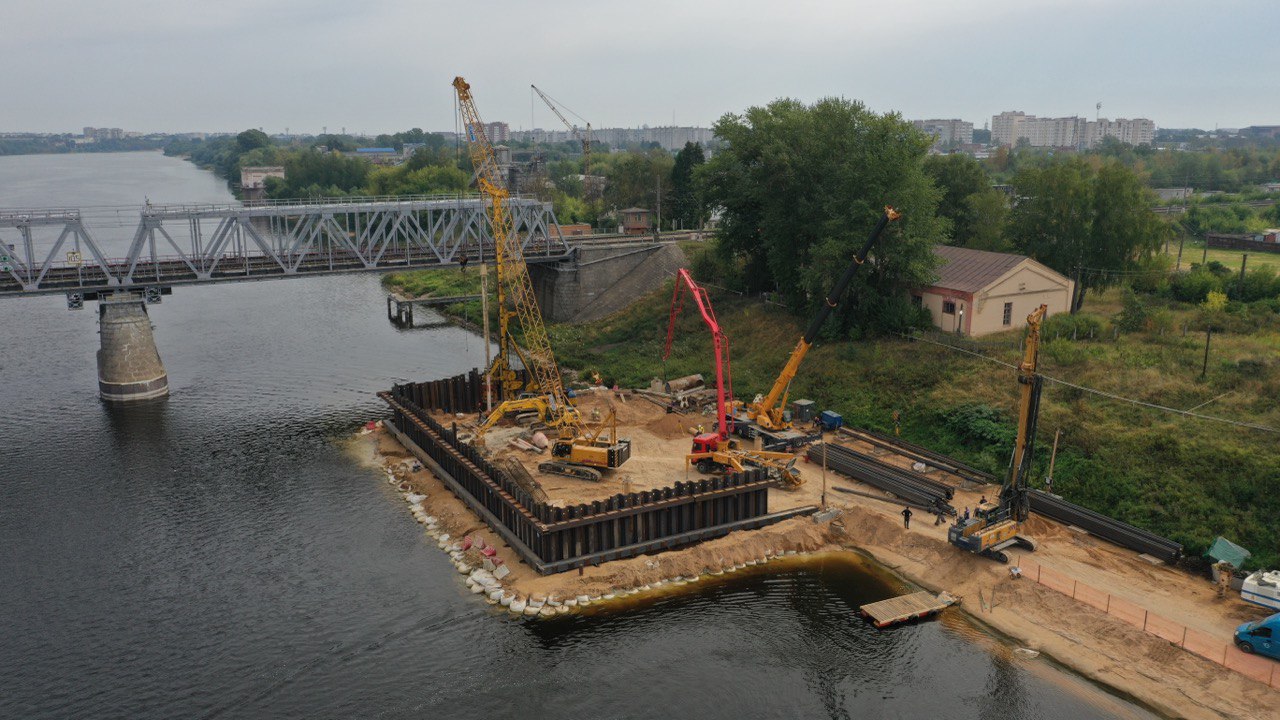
[[57, 144]]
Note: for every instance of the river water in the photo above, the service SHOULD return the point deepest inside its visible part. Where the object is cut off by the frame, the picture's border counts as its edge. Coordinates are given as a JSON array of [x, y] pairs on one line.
[[218, 554]]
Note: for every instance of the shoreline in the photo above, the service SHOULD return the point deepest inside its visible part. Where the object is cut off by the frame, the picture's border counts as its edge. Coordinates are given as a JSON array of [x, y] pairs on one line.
[[1127, 663]]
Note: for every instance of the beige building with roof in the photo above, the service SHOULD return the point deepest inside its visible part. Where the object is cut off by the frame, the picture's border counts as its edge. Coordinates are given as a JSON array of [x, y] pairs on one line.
[[979, 292]]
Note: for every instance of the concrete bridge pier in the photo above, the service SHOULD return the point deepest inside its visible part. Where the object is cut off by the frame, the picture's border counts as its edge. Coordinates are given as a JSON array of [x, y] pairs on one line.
[[129, 367]]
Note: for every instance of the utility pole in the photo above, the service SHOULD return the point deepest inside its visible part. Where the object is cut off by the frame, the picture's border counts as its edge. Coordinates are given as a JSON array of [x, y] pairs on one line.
[[1244, 259], [659, 203], [484, 310], [1181, 239], [824, 470], [1208, 333], [1052, 458], [1204, 259]]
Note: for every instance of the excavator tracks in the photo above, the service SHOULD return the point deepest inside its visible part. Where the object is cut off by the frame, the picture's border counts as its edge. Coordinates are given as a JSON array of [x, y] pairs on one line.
[[580, 472]]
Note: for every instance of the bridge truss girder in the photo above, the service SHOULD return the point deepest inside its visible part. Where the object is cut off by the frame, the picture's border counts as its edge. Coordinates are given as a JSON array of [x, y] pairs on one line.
[[47, 251]]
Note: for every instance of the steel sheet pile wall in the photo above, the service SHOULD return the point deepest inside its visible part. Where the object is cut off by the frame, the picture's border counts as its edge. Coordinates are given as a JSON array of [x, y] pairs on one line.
[[1122, 534], [924, 492], [458, 394], [554, 539]]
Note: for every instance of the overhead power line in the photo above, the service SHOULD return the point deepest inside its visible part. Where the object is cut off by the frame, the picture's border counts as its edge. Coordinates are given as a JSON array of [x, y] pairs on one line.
[[1103, 393]]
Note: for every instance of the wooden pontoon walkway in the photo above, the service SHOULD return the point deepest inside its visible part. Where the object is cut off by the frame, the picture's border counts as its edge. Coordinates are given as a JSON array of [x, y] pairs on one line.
[[907, 607]]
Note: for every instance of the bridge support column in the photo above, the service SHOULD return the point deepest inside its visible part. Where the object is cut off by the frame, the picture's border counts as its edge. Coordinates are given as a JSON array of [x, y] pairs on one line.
[[129, 366]]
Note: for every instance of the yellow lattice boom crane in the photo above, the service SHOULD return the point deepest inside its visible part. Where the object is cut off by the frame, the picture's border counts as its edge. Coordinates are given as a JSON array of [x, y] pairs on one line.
[[544, 393]]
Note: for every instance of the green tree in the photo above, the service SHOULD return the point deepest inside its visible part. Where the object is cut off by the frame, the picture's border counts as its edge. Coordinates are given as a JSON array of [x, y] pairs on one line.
[[800, 186], [686, 206], [252, 139], [989, 214], [633, 178], [1093, 225], [977, 211]]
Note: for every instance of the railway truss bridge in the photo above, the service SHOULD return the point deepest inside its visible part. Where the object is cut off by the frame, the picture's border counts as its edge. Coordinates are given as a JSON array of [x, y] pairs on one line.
[[50, 251]]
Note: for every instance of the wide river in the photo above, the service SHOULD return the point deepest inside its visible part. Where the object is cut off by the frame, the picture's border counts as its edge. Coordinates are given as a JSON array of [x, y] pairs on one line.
[[218, 554]]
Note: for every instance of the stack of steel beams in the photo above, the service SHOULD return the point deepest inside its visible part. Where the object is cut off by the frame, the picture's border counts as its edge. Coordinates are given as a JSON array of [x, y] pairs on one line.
[[920, 454], [1121, 534], [916, 490]]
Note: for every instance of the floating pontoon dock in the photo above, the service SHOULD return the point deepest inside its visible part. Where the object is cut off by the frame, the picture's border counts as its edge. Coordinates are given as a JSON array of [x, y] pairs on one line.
[[907, 607]]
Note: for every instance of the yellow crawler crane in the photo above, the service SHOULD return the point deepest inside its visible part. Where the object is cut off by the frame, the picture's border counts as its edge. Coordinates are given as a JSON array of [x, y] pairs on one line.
[[995, 526], [768, 413], [578, 452]]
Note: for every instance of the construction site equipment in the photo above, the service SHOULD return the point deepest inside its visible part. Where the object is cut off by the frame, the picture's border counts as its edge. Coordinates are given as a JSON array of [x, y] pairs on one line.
[[714, 452], [589, 190], [516, 300], [994, 526], [768, 413], [915, 489], [906, 608], [920, 454], [580, 455], [710, 441], [830, 420], [1262, 588], [521, 477], [1122, 534]]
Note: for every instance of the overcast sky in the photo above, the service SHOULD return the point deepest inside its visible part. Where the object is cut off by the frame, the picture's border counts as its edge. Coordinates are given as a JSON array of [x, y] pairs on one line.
[[384, 65]]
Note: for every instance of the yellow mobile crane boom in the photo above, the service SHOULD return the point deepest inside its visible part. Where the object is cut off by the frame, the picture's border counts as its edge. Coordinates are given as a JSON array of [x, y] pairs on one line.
[[768, 412], [583, 137], [994, 526]]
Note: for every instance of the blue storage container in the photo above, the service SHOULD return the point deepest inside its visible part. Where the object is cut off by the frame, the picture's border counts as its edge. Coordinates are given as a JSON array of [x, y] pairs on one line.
[[830, 420]]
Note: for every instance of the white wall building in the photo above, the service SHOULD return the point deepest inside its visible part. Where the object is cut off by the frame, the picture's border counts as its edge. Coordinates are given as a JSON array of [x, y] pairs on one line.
[[1009, 127]]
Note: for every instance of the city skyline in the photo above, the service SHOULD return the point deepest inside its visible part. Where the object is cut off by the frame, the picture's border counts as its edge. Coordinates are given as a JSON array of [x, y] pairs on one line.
[[387, 65]]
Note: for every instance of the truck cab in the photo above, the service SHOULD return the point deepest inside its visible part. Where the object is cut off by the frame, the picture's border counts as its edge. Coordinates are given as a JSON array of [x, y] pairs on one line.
[[1261, 637]]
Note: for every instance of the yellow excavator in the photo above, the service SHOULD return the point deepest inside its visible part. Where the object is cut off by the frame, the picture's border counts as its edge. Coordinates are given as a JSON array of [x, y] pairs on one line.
[[767, 416], [994, 527], [579, 452]]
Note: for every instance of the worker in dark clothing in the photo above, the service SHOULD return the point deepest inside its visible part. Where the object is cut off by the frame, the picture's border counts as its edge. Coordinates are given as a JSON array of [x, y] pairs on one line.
[[463, 263], [938, 520], [906, 517]]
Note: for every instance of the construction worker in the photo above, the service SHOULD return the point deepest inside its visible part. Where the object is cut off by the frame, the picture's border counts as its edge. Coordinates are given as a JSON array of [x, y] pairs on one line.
[[1225, 569], [906, 517]]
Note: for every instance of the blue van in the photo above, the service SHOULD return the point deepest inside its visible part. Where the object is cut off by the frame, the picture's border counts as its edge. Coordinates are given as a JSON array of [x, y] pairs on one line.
[[1262, 637]]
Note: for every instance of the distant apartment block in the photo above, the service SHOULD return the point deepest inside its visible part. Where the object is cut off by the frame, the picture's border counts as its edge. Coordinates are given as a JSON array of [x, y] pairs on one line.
[[1009, 127], [947, 133], [497, 132], [93, 133], [671, 138]]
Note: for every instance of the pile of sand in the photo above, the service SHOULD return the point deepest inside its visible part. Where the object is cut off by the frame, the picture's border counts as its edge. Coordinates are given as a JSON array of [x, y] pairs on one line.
[[672, 426]]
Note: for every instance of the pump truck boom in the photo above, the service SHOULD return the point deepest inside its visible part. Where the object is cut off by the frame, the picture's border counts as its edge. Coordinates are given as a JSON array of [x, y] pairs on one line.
[[715, 451], [994, 526], [768, 413], [709, 441]]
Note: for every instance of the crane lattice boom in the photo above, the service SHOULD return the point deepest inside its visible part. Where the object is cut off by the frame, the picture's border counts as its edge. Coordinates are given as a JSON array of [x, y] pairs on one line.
[[514, 284]]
